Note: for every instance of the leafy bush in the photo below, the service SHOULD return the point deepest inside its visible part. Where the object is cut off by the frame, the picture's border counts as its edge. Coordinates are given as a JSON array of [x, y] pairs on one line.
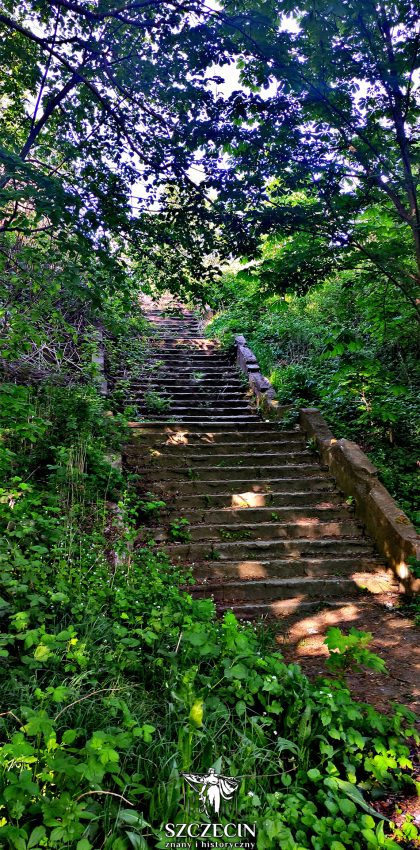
[[351, 651]]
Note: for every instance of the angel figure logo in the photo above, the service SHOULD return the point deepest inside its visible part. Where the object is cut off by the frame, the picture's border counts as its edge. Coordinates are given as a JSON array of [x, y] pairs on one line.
[[212, 788]]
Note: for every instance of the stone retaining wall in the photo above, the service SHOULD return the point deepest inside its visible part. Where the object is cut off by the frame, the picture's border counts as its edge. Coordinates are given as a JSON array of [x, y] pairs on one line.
[[392, 532]]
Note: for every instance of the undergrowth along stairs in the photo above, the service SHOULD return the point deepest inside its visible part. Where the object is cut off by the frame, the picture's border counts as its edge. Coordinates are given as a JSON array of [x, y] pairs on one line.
[[267, 532]]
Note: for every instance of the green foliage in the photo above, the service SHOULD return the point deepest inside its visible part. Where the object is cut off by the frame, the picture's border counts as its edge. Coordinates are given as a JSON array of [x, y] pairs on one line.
[[150, 506], [179, 530], [155, 402], [346, 346], [350, 652]]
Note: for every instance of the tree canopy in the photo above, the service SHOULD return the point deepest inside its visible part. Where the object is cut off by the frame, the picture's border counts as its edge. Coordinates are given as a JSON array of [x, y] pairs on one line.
[[116, 134]]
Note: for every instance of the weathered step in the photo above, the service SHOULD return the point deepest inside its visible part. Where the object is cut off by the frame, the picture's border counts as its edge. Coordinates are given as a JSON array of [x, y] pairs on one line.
[[256, 474], [179, 453], [241, 488], [171, 369], [281, 457], [183, 376], [209, 572], [250, 438], [178, 313], [205, 404], [180, 330], [188, 341], [174, 333], [267, 549], [188, 389], [170, 385], [245, 502], [308, 528], [192, 359], [236, 517], [177, 448], [185, 414], [180, 394], [193, 377], [183, 462], [206, 409], [198, 419], [298, 589], [219, 431]]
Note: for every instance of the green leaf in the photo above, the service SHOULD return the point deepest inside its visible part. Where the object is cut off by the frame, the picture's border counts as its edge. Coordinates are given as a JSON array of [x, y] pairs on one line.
[[42, 653], [353, 793], [238, 671], [314, 774], [347, 807], [137, 841], [36, 836], [196, 713], [69, 736]]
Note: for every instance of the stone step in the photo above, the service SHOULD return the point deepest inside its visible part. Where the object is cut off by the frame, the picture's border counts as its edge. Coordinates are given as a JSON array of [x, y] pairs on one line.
[[186, 341], [199, 410], [203, 403], [177, 453], [176, 446], [181, 336], [189, 385], [321, 498], [249, 437], [205, 371], [256, 474], [174, 367], [236, 517], [309, 528], [191, 358], [283, 456], [183, 375], [195, 376], [180, 394], [181, 463], [297, 590], [198, 419], [240, 489], [182, 312], [210, 572], [175, 328], [267, 549]]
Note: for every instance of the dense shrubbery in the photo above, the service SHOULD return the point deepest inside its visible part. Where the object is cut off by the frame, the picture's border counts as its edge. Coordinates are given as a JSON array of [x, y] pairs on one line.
[[114, 680], [345, 346]]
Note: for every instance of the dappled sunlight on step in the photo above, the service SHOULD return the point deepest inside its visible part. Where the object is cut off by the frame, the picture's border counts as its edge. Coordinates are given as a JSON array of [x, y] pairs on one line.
[[252, 499]]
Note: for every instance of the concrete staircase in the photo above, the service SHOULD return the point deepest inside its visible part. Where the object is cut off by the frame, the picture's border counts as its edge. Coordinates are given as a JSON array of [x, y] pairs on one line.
[[268, 531]]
